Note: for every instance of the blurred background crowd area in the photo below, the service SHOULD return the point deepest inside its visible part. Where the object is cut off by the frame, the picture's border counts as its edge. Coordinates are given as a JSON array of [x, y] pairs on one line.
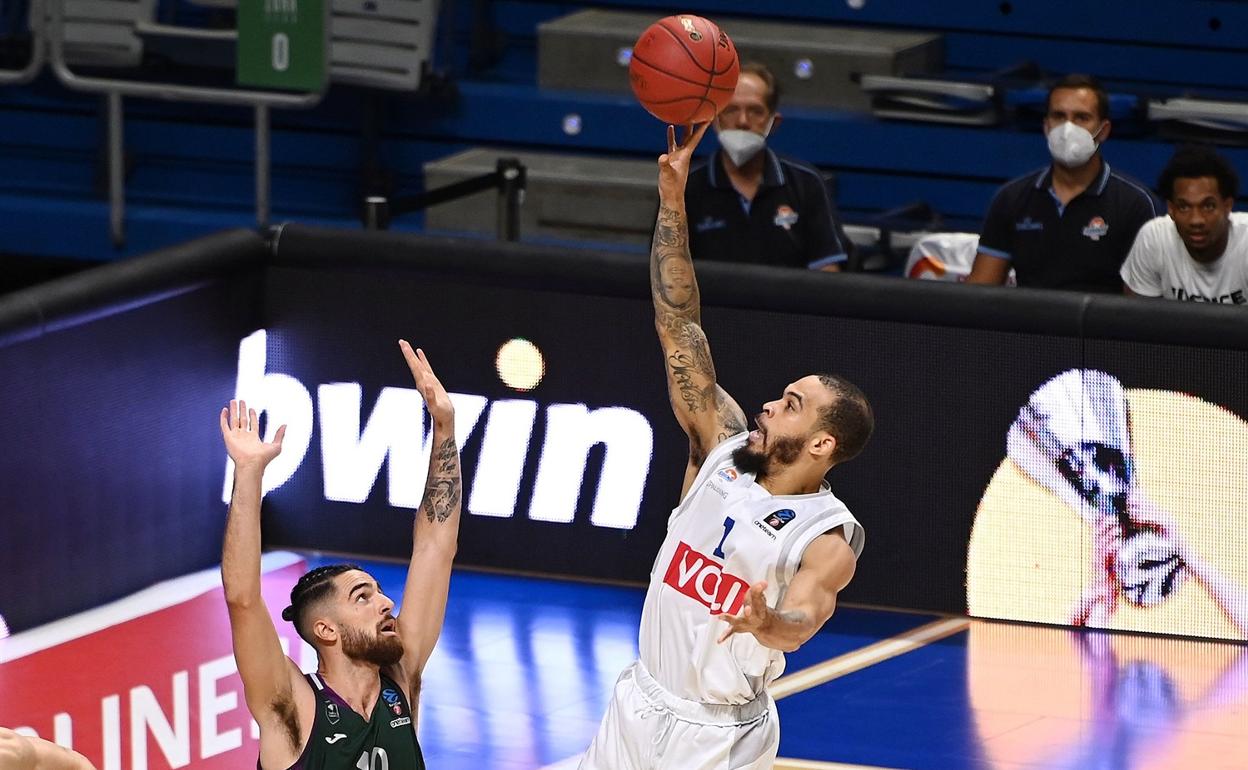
[[130, 125]]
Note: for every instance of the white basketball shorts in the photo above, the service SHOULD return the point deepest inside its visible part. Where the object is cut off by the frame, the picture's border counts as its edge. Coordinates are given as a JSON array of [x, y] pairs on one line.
[[649, 728]]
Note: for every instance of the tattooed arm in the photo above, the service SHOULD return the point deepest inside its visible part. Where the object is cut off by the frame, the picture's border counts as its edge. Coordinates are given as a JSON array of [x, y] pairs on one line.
[[705, 411], [435, 533]]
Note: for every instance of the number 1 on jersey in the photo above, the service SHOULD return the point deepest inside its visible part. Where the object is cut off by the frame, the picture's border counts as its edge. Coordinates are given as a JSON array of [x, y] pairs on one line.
[[729, 523]]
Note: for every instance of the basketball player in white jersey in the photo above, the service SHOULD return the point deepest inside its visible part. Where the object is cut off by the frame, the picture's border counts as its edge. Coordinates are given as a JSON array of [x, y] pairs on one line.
[[755, 553]]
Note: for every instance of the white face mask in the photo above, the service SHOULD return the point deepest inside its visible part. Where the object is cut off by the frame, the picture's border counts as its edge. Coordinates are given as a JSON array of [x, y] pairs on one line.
[[1072, 146], [742, 145]]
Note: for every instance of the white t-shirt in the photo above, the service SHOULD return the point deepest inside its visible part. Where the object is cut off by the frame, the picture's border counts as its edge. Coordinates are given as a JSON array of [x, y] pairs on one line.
[[727, 533], [1159, 265]]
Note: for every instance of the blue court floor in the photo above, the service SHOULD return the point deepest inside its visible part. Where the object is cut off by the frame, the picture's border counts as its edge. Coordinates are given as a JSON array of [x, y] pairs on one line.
[[525, 666]]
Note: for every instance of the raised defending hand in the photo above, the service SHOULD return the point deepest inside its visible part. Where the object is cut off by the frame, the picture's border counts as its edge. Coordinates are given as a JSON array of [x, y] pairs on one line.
[[437, 401], [674, 164], [240, 427], [755, 616], [16, 752], [19, 752]]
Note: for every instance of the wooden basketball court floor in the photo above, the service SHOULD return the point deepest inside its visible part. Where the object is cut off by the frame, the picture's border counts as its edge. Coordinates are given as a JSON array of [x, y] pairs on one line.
[[525, 666]]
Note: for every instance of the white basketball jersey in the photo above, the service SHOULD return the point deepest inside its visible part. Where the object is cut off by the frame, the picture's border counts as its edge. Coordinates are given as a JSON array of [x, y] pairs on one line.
[[727, 533]]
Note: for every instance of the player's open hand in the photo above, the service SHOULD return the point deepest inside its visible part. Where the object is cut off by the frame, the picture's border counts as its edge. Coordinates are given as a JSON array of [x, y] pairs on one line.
[[240, 427], [20, 752], [16, 752], [755, 615], [437, 401], [674, 164]]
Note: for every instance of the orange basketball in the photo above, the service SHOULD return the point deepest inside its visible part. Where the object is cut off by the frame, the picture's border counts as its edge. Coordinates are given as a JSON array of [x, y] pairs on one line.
[[684, 69]]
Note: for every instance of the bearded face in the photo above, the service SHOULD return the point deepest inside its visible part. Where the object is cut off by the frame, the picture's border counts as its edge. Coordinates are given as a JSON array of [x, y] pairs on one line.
[[782, 452], [376, 648]]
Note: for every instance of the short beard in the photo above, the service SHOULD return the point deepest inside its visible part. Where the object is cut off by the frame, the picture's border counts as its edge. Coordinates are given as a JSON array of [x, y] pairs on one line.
[[784, 452], [379, 650]]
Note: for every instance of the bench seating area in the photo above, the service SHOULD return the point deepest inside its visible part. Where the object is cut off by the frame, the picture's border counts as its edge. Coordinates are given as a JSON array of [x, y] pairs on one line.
[[189, 168]]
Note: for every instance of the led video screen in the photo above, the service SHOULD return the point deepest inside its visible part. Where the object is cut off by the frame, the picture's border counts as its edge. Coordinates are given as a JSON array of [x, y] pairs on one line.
[[1118, 500]]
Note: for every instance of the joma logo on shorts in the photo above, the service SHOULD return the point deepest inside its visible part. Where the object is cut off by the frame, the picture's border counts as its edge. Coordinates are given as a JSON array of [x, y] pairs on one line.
[[702, 579]]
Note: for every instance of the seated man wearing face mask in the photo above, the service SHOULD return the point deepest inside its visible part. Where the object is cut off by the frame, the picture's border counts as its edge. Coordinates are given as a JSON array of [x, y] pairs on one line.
[[748, 204], [1070, 224]]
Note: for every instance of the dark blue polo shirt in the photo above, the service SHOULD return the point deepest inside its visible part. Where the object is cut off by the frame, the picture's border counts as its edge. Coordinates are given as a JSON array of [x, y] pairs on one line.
[[1080, 246], [791, 221]]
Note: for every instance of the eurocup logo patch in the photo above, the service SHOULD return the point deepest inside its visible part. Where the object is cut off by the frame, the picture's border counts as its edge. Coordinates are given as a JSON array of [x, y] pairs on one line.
[[331, 713], [777, 519], [391, 697]]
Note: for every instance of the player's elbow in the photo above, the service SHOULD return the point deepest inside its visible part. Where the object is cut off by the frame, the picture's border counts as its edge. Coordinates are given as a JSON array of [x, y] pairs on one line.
[[436, 549], [240, 599], [449, 550], [239, 604]]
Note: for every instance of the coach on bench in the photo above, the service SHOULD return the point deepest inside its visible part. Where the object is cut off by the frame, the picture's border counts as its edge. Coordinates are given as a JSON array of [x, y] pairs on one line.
[[748, 204]]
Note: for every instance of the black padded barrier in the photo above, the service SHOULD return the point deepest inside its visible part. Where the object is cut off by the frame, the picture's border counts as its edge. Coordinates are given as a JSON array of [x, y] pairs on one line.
[[37, 310], [947, 368], [112, 379], [120, 371]]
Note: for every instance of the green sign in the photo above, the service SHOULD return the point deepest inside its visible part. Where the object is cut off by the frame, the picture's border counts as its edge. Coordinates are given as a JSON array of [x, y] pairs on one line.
[[281, 44]]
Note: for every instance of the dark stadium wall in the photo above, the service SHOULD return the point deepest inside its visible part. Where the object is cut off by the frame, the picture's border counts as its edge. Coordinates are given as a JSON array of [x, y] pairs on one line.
[[572, 458], [111, 379], [946, 367]]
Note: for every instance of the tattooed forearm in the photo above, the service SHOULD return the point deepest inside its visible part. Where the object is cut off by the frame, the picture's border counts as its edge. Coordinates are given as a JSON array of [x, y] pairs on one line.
[[670, 231], [683, 368], [678, 319], [672, 281], [688, 335], [442, 488], [689, 361]]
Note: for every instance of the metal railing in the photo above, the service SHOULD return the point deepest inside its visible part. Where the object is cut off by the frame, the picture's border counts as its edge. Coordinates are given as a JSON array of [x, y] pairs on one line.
[[38, 50], [116, 88], [510, 178]]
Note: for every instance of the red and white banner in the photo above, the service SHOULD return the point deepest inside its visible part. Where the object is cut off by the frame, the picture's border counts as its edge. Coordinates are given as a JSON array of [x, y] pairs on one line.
[[148, 681]]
